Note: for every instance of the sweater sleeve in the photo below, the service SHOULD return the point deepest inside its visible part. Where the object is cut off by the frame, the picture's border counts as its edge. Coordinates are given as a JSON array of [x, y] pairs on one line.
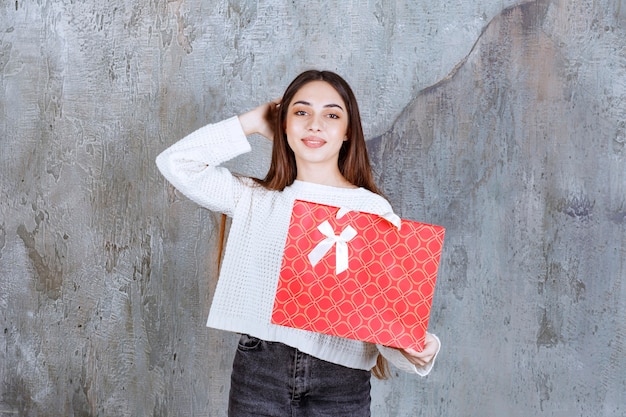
[[192, 164], [401, 362]]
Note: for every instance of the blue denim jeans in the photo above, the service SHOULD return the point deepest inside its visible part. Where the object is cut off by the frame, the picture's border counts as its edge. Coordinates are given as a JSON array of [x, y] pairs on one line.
[[273, 379]]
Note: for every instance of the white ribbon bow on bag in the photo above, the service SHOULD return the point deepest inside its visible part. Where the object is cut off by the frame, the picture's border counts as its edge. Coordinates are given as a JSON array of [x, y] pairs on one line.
[[341, 252]]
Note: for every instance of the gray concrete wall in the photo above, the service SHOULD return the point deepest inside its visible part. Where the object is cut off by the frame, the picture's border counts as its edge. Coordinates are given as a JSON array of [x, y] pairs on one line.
[[504, 123]]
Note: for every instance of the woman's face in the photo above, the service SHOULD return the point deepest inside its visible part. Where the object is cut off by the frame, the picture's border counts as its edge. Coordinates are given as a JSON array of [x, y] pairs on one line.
[[316, 126]]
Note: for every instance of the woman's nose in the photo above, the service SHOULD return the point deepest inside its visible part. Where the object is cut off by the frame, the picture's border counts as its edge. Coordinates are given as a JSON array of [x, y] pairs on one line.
[[315, 123]]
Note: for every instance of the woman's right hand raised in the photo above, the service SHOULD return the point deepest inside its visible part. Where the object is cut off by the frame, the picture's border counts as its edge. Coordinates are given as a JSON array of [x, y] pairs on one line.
[[261, 119]]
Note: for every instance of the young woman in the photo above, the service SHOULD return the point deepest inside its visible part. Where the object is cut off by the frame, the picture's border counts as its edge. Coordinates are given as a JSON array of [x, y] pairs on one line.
[[318, 154]]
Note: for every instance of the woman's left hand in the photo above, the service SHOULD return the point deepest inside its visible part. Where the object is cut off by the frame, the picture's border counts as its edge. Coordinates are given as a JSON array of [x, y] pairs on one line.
[[431, 347]]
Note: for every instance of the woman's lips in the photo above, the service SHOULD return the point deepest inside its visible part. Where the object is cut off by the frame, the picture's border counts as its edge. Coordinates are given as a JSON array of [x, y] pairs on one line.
[[313, 142]]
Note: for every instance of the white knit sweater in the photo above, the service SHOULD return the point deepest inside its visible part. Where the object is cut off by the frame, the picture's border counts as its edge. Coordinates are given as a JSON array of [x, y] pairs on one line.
[[245, 292]]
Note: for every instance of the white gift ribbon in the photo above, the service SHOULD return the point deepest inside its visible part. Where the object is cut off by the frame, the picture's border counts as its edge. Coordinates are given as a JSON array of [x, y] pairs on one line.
[[341, 251], [392, 218]]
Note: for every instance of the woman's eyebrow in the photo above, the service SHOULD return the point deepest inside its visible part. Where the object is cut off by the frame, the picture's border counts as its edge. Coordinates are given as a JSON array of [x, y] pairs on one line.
[[306, 103]]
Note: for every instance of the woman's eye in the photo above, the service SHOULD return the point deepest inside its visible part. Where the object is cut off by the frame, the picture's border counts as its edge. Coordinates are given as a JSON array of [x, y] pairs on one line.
[[300, 113], [333, 116]]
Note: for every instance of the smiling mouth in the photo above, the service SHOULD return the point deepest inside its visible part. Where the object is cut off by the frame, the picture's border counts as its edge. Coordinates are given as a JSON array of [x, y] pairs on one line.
[[313, 142]]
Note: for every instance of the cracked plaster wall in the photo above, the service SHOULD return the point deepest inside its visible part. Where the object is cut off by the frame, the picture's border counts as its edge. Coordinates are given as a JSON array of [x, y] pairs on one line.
[[502, 122]]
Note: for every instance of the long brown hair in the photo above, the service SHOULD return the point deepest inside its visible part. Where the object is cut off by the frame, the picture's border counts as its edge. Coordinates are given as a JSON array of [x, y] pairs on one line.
[[353, 161]]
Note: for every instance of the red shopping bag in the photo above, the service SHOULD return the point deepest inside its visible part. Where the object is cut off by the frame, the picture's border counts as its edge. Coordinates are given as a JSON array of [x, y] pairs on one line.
[[357, 275]]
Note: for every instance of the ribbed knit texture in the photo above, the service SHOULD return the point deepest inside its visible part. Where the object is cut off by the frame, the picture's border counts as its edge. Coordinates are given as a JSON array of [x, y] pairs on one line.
[[245, 292]]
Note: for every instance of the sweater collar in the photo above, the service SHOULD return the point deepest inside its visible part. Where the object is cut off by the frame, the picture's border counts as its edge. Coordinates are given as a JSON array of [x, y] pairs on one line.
[[299, 185]]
